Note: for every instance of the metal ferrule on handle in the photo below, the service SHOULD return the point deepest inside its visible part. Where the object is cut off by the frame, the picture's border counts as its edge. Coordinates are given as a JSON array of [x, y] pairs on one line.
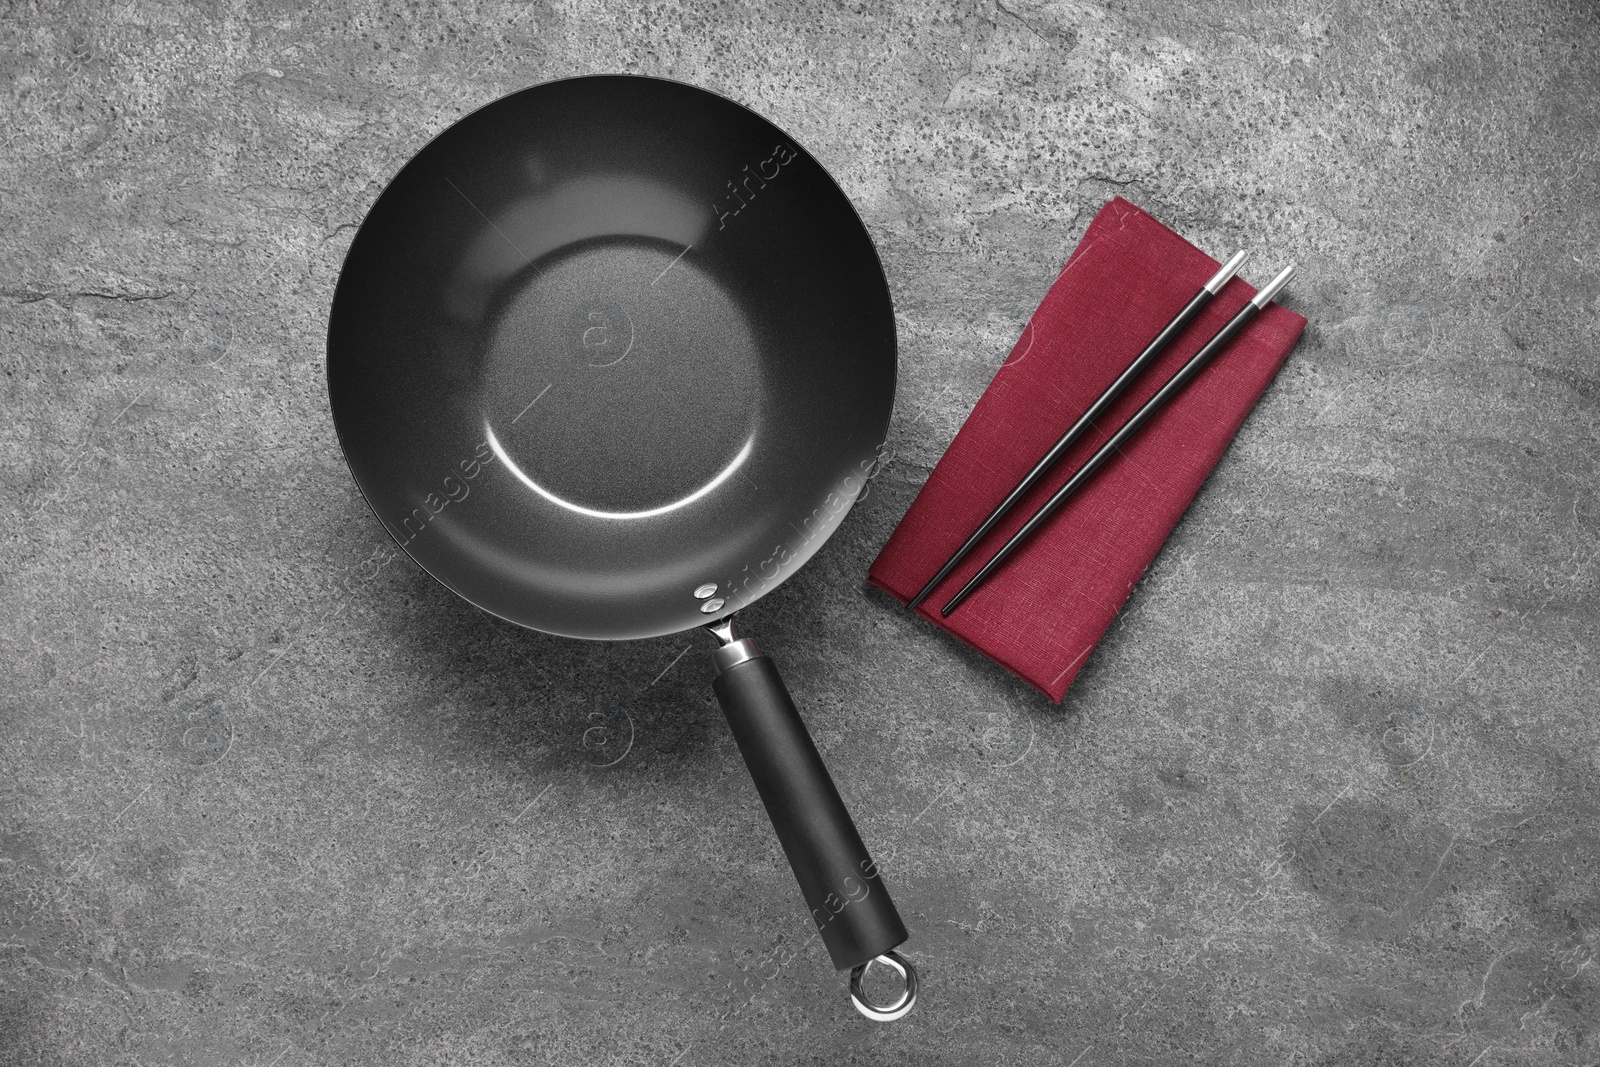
[[734, 653]]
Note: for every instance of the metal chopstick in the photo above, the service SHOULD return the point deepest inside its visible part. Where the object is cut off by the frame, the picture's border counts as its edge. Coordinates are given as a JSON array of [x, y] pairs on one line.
[[1174, 385], [1156, 346]]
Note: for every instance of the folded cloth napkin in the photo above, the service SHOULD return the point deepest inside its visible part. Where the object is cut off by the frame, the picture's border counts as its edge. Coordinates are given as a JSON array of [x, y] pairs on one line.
[[1041, 614]]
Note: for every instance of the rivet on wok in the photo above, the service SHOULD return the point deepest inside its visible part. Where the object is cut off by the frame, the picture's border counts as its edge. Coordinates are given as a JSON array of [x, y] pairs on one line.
[[705, 590], [712, 605]]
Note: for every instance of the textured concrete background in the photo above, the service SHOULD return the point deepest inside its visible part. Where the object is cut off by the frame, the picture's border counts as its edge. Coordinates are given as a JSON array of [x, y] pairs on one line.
[[1326, 793]]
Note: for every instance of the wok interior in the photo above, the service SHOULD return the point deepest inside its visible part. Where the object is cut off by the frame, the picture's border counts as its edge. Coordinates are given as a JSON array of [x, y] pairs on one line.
[[606, 342]]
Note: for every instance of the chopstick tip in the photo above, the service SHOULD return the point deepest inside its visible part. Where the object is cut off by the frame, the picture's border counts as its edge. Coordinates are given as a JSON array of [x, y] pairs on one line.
[[1274, 287], [1228, 270]]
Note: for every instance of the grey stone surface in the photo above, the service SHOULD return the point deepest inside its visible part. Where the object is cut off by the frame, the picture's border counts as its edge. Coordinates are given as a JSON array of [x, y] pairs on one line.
[[1325, 794]]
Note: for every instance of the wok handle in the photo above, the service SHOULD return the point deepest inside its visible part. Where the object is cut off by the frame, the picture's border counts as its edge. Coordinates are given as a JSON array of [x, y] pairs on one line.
[[840, 882]]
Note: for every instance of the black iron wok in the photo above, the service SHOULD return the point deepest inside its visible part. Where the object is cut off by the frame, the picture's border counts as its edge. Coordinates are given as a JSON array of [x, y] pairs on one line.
[[610, 358]]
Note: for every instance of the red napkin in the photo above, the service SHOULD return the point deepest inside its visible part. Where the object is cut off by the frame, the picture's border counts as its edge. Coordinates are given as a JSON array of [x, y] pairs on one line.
[[1041, 614]]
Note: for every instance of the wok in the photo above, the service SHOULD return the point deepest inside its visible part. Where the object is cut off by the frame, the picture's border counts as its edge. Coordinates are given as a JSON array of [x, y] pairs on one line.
[[610, 358]]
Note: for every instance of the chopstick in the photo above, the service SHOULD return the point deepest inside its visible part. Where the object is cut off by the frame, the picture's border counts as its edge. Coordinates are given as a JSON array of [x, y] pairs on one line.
[[1172, 388], [1157, 345]]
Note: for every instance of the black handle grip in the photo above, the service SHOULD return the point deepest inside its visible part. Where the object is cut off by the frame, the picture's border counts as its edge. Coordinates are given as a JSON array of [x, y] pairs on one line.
[[841, 884]]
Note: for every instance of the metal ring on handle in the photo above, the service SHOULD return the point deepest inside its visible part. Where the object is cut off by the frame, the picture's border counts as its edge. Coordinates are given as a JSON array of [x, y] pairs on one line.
[[890, 1012]]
